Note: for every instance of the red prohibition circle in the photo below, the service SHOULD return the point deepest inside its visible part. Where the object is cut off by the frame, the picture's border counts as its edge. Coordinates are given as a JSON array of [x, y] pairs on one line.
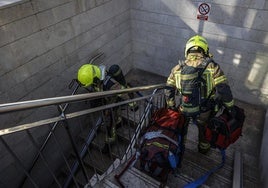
[[203, 8]]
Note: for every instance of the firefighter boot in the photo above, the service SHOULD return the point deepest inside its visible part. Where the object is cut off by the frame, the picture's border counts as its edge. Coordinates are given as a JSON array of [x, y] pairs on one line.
[[203, 147], [133, 106], [113, 136], [109, 141]]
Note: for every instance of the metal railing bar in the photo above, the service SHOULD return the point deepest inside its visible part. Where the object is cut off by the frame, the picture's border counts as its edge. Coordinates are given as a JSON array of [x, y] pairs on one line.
[[65, 160], [89, 139], [134, 138], [81, 163], [49, 134], [43, 158], [89, 152], [29, 125], [128, 124], [68, 116], [10, 107], [23, 105], [143, 118], [100, 108], [19, 162], [129, 133], [141, 123]]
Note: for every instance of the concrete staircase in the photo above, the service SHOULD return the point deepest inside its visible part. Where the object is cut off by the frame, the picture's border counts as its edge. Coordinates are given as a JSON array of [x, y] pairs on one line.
[[194, 164]]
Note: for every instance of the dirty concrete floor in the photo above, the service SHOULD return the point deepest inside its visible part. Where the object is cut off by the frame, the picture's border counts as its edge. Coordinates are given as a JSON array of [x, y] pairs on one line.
[[138, 77]]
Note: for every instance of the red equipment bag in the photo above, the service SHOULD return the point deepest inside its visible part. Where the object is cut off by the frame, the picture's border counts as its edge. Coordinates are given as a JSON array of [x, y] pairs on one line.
[[224, 130], [162, 145]]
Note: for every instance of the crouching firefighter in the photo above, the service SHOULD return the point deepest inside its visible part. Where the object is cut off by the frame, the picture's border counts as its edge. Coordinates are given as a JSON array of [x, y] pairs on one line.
[[200, 82], [97, 79]]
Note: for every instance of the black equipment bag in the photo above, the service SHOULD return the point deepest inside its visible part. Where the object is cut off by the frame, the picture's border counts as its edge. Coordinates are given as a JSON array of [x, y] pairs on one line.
[[192, 87], [224, 130], [190, 90]]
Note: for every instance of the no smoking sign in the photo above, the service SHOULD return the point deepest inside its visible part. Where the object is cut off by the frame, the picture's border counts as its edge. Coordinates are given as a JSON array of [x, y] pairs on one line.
[[203, 11]]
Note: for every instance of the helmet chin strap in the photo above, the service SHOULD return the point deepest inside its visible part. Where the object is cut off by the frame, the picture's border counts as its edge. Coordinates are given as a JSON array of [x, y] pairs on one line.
[[103, 71]]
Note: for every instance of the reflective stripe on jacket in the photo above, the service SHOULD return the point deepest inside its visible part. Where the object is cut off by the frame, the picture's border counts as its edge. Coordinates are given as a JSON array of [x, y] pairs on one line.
[[213, 76]]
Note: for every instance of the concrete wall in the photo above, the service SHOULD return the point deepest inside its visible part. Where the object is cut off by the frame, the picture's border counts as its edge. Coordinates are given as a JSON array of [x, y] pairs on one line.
[[237, 33], [44, 42], [42, 45]]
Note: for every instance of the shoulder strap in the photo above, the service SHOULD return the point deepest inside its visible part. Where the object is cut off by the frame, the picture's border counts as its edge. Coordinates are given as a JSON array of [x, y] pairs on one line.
[[108, 82], [206, 63]]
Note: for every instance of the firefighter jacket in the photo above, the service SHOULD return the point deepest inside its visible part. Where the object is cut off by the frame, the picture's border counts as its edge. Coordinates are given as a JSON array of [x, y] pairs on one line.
[[109, 83], [215, 86]]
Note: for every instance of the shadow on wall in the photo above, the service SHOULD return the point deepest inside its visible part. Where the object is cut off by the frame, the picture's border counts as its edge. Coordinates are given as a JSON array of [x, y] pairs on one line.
[[236, 35]]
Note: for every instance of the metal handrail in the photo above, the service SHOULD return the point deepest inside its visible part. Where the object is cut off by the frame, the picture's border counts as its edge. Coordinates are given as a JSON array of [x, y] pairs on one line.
[[65, 100], [66, 116], [128, 153], [23, 105]]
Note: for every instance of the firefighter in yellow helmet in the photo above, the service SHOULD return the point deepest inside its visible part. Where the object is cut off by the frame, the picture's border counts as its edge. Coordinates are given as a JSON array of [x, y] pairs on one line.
[[98, 79], [91, 76], [199, 82]]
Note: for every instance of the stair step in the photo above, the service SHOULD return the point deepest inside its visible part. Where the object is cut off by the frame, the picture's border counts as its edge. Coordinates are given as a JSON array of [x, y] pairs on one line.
[[138, 77], [106, 184], [180, 180], [122, 142], [119, 149], [132, 177], [98, 161], [135, 177], [133, 117], [80, 178], [99, 140], [195, 171], [126, 132], [213, 154], [208, 162]]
